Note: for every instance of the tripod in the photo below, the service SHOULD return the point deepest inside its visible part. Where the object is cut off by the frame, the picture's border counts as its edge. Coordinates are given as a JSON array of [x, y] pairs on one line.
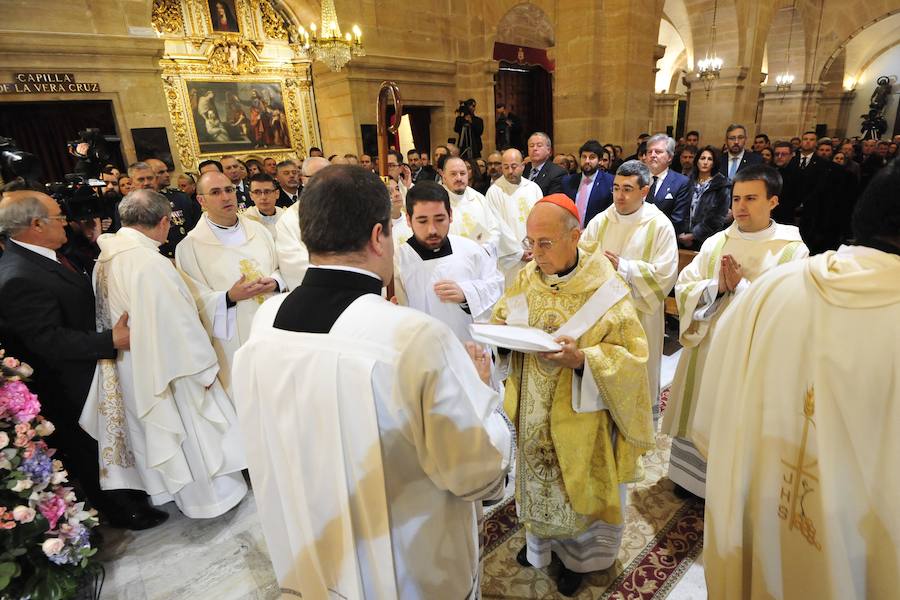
[[465, 141]]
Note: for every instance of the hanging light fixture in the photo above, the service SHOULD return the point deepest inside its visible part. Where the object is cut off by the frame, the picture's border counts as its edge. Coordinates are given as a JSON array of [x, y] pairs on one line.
[[326, 44], [709, 68], [784, 81]]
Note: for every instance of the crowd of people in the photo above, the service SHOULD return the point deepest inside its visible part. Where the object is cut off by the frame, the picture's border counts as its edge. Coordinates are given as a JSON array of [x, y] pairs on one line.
[[246, 319]]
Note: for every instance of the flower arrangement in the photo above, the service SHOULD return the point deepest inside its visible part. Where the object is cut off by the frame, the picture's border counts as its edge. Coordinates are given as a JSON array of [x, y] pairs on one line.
[[45, 544]]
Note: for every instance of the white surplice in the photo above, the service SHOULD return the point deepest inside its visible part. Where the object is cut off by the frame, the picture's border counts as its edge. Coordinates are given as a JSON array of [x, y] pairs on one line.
[[798, 412], [469, 266], [511, 204], [648, 262], [163, 422], [369, 448], [212, 259], [293, 257], [473, 219], [699, 310], [268, 220]]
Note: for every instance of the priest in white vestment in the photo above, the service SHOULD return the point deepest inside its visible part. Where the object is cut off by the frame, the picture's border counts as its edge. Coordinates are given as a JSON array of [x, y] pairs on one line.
[[446, 276], [371, 435], [472, 217], [400, 230], [577, 448], [264, 195], [231, 268], [724, 268], [800, 406], [162, 420], [511, 198], [640, 242], [293, 258]]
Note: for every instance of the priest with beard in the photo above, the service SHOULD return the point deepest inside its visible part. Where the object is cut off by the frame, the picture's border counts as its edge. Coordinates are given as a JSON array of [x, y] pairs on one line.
[[161, 418], [446, 276], [473, 219], [230, 265], [577, 447], [511, 198], [371, 432]]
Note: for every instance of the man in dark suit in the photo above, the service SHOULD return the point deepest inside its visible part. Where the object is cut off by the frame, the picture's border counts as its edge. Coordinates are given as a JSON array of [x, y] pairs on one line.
[[591, 190], [670, 191], [288, 176], [541, 169], [737, 156], [233, 170], [48, 320]]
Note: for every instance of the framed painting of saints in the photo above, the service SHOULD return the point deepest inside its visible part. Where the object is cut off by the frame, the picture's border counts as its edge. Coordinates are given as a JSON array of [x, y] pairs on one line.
[[224, 16], [232, 116]]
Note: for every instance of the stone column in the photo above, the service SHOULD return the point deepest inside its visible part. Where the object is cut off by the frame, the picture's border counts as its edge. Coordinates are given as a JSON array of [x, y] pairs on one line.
[[665, 109], [603, 82], [710, 112]]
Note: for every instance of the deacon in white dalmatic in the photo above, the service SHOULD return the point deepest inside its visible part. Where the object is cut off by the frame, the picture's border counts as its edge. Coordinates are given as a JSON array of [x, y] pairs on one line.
[[472, 218], [798, 412], [162, 420], [446, 276], [264, 195], [640, 242], [231, 267], [510, 198], [293, 258], [723, 269], [371, 435]]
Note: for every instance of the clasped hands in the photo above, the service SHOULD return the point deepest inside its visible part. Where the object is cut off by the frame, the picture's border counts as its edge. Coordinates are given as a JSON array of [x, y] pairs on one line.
[[730, 274], [243, 289]]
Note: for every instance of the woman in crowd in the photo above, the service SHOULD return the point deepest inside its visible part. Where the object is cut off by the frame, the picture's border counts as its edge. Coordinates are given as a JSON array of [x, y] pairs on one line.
[[710, 202]]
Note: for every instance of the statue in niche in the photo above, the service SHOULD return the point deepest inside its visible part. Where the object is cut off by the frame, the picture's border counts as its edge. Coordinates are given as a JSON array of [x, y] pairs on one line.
[[223, 16], [874, 124]]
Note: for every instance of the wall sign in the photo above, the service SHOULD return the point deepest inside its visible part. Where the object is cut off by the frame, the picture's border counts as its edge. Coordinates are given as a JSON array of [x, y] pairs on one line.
[[47, 83]]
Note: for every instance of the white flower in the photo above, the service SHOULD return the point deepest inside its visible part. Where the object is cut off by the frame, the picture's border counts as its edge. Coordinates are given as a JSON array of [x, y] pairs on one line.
[[52, 546], [59, 477], [22, 485], [45, 428], [23, 514], [69, 497], [4, 439]]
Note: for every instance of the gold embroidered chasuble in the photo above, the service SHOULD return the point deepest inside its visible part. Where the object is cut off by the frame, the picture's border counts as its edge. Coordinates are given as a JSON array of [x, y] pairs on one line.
[[570, 464]]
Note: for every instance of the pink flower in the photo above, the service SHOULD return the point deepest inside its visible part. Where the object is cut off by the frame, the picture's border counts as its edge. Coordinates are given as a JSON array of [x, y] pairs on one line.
[[52, 508], [23, 514], [16, 400], [11, 363], [52, 546]]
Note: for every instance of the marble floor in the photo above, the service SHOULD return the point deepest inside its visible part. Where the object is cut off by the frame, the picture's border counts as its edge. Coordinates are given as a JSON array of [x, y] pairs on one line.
[[223, 559]]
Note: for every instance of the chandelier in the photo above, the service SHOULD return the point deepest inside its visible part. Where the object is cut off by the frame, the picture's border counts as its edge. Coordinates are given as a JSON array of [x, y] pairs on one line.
[[709, 68], [784, 81], [327, 45]]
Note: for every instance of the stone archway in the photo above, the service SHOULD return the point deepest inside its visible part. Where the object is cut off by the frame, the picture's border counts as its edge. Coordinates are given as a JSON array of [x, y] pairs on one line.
[[526, 25]]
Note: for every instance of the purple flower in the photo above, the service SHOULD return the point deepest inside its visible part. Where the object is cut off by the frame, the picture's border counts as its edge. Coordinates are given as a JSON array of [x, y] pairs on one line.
[[38, 467]]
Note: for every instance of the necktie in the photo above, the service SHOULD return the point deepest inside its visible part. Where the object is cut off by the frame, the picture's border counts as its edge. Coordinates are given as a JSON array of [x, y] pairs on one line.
[[732, 168], [66, 262], [803, 160], [534, 173], [653, 186], [581, 199]]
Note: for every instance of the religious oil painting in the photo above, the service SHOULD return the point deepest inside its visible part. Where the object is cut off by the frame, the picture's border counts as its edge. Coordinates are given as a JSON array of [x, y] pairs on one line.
[[223, 15], [231, 116]]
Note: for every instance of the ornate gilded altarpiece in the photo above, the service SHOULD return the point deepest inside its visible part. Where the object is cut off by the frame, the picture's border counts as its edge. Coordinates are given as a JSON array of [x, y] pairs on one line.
[[244, 93]]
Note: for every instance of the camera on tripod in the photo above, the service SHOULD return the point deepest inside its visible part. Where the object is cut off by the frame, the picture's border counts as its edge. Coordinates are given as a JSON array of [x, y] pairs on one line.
[[96, 153], [465, 107]]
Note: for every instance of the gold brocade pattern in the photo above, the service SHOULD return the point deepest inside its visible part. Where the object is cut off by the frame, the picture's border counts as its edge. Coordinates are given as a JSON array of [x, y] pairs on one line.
[[166, 16], [569, 467], [799, 481], [250, 270]]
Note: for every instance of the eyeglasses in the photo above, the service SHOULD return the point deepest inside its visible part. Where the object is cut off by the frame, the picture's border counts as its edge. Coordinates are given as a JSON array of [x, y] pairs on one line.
[[265, 192], [735, 138], [529, 243]]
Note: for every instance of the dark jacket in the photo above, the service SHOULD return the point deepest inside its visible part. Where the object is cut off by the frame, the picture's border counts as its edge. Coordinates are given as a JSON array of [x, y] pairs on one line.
[[474, 137], [184, 218], [673, 198], [47, 320], [550, 178], [600, 197], [749, 158], [709, 216]]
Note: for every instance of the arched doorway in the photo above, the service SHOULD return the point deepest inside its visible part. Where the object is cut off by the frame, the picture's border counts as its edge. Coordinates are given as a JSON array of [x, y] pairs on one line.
[[523, 83]]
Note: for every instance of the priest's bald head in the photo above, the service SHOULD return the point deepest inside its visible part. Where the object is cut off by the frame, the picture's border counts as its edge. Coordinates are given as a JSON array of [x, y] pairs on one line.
[[345, 219], [552, 234]]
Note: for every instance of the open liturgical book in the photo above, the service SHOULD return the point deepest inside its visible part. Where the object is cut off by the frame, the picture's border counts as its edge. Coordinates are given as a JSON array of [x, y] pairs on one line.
[[514, 337]]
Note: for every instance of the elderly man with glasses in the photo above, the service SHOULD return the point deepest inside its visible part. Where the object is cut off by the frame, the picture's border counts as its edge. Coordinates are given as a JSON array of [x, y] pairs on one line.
[[571, 500]]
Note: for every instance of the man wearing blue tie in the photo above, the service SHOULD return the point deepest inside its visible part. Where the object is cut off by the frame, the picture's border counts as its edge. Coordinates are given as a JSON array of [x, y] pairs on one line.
[[670, 191], [591, 190], [737, 158]]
